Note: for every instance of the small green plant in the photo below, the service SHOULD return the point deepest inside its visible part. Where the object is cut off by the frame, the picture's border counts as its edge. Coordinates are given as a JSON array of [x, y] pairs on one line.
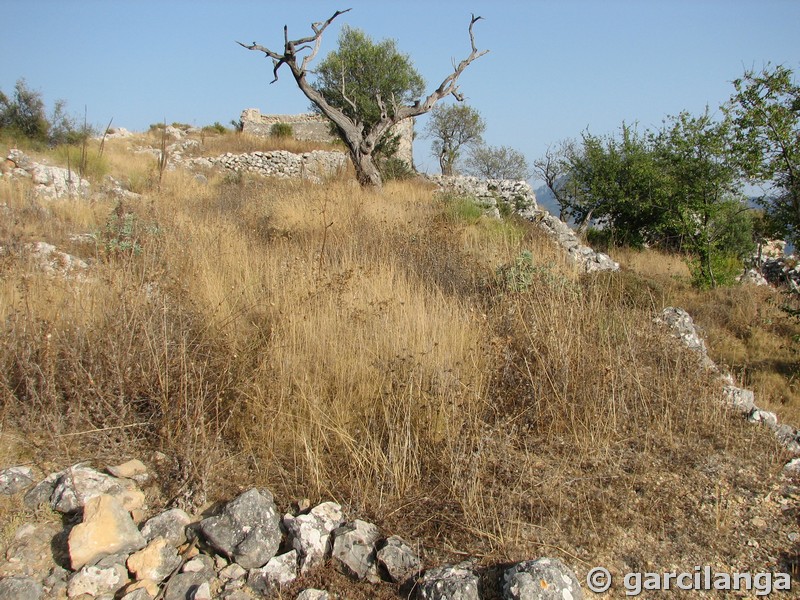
[[518, 276], [724, 270], [462, 208], [217, 127], [123, 233], [396, 169], [281, 130]]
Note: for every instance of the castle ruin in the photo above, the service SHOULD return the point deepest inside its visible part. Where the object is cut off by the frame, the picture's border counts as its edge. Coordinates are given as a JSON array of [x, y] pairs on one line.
[[312, 127]]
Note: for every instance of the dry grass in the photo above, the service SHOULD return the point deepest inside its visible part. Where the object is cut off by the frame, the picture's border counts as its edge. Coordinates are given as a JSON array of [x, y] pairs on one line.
[[335, 343]]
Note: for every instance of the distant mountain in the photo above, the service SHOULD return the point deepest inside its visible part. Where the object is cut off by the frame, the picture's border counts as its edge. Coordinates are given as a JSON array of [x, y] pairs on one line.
[[546, 200]]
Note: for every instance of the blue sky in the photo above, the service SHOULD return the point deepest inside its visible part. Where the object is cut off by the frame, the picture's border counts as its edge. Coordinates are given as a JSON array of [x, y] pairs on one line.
[[554, 68]]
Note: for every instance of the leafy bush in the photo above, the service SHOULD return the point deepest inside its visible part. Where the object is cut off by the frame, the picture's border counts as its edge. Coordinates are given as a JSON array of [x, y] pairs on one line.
[[397, 169], [281, 130], [217, 127]]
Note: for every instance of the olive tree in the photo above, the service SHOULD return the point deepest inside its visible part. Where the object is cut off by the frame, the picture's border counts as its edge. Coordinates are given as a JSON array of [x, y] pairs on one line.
[[452, 127], [497, 162], [362, 105]]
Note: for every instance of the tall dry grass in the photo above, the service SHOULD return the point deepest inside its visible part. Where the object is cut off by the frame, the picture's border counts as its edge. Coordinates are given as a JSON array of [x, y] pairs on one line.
[[331, 342]]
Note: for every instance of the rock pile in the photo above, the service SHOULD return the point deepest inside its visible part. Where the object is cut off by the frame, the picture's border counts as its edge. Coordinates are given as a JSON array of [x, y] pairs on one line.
[[518, 196], [739, 399], [109, 549], [49, 182], [314, 166]]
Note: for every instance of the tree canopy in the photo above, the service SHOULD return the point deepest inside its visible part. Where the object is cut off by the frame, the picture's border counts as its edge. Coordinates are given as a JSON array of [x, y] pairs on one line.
[[452, 127], [497, 162]]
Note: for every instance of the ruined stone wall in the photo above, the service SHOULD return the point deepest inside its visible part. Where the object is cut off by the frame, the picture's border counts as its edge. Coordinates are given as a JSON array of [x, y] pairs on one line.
[[316, 128]]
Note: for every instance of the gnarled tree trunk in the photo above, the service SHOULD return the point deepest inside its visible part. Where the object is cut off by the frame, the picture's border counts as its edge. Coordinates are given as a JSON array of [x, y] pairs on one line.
[[361, 142]]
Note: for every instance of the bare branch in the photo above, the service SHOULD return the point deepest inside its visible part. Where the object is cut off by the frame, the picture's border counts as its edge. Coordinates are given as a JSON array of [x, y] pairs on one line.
[[448, 86]]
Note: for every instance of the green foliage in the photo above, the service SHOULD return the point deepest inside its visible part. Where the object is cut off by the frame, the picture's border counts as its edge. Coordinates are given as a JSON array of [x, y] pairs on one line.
[[352, 77], [92, 165], [519, 275], [124, 233], [452, 127], [497, 162], [281, 130], [217, 127], [394, 168], [724, 267], [24, 113], [462, 208], [765, 110]]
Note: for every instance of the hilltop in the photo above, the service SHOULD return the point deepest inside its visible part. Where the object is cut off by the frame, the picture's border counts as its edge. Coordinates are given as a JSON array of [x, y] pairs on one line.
[[449, 376]]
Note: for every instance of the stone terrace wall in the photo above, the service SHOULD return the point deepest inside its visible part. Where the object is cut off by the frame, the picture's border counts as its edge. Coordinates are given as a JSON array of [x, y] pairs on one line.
[[519, 197], [314, 166], [316, 128]]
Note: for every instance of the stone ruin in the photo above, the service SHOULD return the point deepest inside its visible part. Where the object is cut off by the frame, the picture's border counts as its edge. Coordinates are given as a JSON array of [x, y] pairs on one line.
[[311, 127]]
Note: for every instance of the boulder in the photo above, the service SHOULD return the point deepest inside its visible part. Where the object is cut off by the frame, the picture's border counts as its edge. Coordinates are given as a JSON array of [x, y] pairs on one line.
[[132, 469], [107, 528], [309, 533], [247, 531], [78, 484], [313, 594], [449, 582], [15, 479], [277, 573], [170, 525], [354, 551], [96, 581], [398, 560], [31, 552], [20, 588], [542, 579]]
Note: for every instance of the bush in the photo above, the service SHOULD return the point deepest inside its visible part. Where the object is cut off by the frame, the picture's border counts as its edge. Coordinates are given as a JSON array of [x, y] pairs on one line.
[[397, 169], [281, 130], [217, 127]]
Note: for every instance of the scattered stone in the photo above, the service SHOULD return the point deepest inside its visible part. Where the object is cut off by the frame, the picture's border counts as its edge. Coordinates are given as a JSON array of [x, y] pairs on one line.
[[15, 479], [20, 588], [277, 573], [199, 564], [203, 592], [398, 560], [792, 467], [155, 561], [139, 594], [107, 529], [313, 594], [183, 585], [309, 534], [149, 587], [49, 182], [542, 579], [247, 531], [354, 549], [132, 469], [42, 491], [53, 261], [233, 572], [170, 525], [30, 554], [457, 582], [96, 581]]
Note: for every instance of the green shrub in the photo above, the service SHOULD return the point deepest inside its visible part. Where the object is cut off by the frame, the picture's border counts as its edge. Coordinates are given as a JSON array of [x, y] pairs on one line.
[[281, 130], [462, 208], [395, 168], [725, 268], [217, 127]]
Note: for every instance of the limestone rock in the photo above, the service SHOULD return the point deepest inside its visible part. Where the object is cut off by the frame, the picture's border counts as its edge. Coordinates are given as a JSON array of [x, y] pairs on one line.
[[147, 586], [155, 561], [42, 491], [309, 534], [170, 525], [398, 560], [107, 529], [448, 582], [96, 581], [15, 479], [202, 563], [770, 419], [138, 594], [277, 573], [132, 469], [20, 588], [183, 585], [740, 399], [313, 594], [354, 549], [30, 553], [542, 579], [247, 531], [78, 484]]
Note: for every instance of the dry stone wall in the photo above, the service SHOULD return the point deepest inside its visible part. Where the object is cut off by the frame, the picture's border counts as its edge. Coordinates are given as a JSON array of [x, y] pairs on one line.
[[314, 166], [519, 197]]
